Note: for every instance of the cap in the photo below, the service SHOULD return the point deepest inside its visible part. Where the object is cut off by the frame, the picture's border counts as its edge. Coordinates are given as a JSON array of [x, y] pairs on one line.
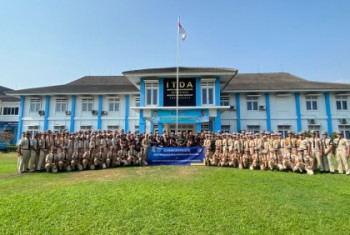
[[324, 133], [339, 133]]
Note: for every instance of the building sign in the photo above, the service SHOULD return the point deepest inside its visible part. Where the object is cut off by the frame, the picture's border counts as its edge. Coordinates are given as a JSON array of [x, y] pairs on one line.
[[176, 155], [184, 116], [187, 92]]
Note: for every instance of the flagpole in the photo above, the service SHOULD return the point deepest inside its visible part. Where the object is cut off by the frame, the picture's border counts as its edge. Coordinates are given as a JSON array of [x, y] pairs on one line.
[[177, 77]]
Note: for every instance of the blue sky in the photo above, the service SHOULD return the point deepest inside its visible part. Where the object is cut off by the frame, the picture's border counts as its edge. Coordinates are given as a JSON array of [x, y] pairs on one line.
[[54, 42]]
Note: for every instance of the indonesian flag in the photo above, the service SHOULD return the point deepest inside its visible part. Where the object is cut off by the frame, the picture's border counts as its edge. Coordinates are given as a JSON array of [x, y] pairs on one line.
[[181, 30]]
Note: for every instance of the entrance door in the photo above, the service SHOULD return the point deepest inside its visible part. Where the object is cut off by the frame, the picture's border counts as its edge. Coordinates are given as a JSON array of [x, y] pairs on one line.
[[182, 127]]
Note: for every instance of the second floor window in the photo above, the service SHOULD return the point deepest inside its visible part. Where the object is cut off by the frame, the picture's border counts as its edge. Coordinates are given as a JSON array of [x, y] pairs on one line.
[[151, 93], [252, 103], [311, 103], [341, 103], [87, 104], [35, 105], [225, 101], [61, 105], [137, 101], [113, 105], [207, 92], [10, 111]]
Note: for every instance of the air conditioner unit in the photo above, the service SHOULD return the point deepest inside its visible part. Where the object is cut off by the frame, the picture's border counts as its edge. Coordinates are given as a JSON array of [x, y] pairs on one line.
[[342, 121], [262, 107], [67, 112], [232, 108], [94, 112], [104, 112], [312, 121], [41, 112]]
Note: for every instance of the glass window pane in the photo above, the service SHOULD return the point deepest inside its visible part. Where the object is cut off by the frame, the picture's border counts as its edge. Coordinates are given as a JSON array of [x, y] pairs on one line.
[[211, 96], [204, 96], [57, 107], [116, 107], [345, 105], [148, 94], [84, 107], [249, 105], [64, 107], [255, 105], [338, 105], [314, 105], [90, 107], [308, 105], [110, 108], [155, 96]]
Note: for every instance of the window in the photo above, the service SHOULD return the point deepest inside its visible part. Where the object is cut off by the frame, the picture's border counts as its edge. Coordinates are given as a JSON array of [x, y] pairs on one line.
[[311, 102], [61, 105], [253, 128], [283, 129], [87, 104], [113, 105], [137, 128], [137, 101], [85, 127], [252, 103], [346, 130], [225, 101], [341, 102], [205, 127], [59, 128], [10, 111], [208, 92], [35, 105], [151, 93], [113, 128], [33, 130], [225, 128]]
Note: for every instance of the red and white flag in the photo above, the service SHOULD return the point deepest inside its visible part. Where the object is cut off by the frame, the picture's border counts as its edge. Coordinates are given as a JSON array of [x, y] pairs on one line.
[[181, 30]]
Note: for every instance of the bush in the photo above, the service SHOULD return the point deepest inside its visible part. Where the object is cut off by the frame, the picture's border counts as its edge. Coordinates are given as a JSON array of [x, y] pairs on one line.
[[11, 148]]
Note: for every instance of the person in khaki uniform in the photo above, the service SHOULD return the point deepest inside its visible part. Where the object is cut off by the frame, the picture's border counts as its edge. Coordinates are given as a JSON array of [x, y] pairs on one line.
[[316, 151], [273, 160], [327, 153], [215, 158], [76, 159], [342, 153], [35, 152], [208, 156], [245, 160], [64, 160], [24, 149], [88, 159], [224, 157], [299, 165], [143, 157], [255, 159], [44, 150], [288, 159], [52, 161]]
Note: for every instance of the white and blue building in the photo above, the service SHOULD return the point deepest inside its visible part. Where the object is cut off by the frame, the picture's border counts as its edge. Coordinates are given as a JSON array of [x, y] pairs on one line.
[[209, 99]]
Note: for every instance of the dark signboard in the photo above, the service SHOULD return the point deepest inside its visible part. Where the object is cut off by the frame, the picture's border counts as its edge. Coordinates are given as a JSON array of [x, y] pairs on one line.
[[187, 92]]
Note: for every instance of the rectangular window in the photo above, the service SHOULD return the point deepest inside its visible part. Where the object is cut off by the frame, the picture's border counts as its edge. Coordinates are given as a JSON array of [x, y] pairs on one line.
[[225, 101], [137, 101], [208, 88], [113, 104], [85, 127], [225, 128], [87, 104], [10, 111], [113, 127], [341, 102], [283, 129], [253, 128], [252, 103], [311, 102], [61, 105], [35, 105], [151, 93], [346, 130]]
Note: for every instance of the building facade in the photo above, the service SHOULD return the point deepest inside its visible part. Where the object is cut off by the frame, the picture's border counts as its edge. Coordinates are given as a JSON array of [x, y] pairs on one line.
[[9, 108], [209, 99]]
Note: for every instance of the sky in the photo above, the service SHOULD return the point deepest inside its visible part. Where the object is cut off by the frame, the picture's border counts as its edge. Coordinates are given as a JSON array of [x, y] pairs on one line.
[[46, 42]]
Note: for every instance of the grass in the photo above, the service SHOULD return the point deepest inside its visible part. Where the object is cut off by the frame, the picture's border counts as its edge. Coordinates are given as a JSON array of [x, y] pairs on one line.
[[171, 199]]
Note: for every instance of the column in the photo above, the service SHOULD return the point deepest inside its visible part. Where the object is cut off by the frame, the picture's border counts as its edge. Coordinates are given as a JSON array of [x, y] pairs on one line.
[[268, 112], [198, 100], [47, 111], [161, 92], [297, 109], [329, 113], [72, 113], [217, 124], [238, 112], [20, 117], [126, 119], [99, 110], [142, 121]]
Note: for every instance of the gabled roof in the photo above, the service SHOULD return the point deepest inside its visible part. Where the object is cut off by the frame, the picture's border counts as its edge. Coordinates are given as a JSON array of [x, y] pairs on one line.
[[278, 82], [85, 85], [4, 97], [197, 70]]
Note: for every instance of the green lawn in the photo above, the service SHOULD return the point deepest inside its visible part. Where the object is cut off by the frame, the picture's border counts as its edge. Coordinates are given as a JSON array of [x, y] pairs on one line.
[[172, 199]]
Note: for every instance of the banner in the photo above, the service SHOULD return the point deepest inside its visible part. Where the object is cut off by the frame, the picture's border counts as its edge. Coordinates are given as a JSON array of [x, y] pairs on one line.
[[185, 116], [176, 155]]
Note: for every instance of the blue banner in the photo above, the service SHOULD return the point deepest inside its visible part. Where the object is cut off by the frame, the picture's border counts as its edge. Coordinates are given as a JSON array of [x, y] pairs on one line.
[[176, 155]]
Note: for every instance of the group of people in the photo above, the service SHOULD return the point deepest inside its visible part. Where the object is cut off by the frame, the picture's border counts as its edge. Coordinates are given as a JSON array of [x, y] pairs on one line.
[[262, 151], [87, 150]]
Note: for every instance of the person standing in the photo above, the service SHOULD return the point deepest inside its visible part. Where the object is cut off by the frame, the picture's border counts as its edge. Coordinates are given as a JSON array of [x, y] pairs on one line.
[[342, 153], [316, 151], [35, 152], [327, 153], [24, 151]]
